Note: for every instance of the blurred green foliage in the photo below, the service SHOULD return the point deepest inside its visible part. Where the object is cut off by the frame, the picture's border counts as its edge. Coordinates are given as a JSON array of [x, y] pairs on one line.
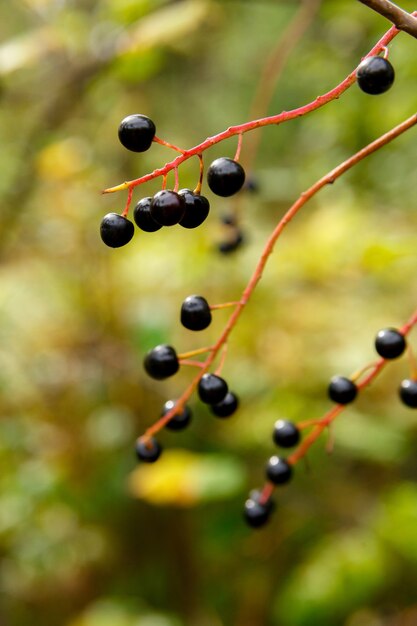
[[77, 549]]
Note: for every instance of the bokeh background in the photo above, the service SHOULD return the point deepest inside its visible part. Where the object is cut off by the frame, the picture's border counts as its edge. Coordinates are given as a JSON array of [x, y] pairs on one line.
[[87, 538]]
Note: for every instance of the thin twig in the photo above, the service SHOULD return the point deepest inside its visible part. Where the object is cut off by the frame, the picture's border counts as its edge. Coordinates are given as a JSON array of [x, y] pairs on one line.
[[282, 117], [272, 70], [400, 18]]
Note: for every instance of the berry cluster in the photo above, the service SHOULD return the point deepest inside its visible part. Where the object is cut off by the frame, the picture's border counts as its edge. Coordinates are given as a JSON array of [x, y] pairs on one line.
[[163, 361], [168, 207], [258, 507], [390, 343], [225, 177]]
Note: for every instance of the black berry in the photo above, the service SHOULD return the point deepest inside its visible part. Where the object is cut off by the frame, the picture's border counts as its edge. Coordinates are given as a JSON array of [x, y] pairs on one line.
[[148, 450], [196, 208], [227, 406], [232, 244], [252, 185], [375, 75], [143, 218], [225, 177], [390, 343], [116, 230], [278, 470], [228, 219], [408, 392], [286, 434], [161, 362], [195, 313], [180, 420], [342, 390], [256, 513], [212, 389], [136, 132], [167, 207]]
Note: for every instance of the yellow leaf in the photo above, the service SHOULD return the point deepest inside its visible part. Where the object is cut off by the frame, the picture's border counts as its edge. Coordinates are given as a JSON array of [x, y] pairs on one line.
[[184, 478]]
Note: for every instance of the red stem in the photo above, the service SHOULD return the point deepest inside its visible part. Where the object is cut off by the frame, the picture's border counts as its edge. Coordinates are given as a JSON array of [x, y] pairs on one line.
[[267, 251], [332, 414], [284, 116]]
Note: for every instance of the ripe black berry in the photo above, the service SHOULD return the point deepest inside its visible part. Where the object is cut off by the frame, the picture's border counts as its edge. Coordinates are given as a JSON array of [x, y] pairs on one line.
[[167, 207], [136, 132], [225, 177], [286, 434], [143, 218], [212, 389], [408, 392], [390, 343], [375, 75], [195, 313], [255, 513], [227, 406], [196, 209], [342, 390], [180, 420], [116, 230], [148, 450], [161, 362], [278, 470]]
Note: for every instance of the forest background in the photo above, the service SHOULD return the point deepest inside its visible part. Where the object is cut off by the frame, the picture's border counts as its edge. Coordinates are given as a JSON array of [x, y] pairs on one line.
[[87, 538]]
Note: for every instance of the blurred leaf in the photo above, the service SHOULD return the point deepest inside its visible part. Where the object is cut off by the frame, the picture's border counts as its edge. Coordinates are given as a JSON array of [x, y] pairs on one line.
[[64, 159], [165, 26], [396, 521], [184, 478], [378, 439], [343, 572], [139, 65], [27, 49], [115, 613]]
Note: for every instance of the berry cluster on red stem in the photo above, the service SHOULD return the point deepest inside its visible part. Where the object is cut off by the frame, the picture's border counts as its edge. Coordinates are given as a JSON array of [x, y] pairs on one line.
[[189, 209]]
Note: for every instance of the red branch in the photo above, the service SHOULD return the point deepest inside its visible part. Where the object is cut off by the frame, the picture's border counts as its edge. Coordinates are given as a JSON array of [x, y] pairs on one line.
[[282, 117], [328, 179]]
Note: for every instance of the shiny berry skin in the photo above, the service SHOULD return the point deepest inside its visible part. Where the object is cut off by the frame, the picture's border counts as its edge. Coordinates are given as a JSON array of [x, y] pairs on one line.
[[286, 434], [408, 392], [143, 218], [148, 451], [390, 343], [161, 362], [278, 470], [197, 208], [180, 420], [195, 313], [167, 207], [212, 389], [375, 75], [227, 406], [342, 390], [115, 230], [136, 132], [255, 513], [225, 177]]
